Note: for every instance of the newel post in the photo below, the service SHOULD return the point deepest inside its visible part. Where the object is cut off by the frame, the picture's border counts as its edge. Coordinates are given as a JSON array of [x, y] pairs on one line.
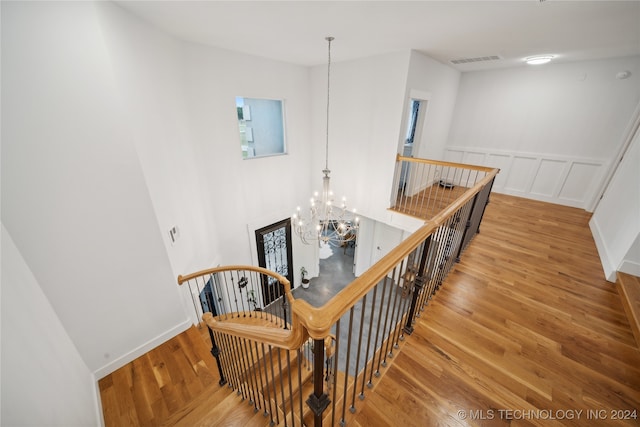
[[319, 400], [467, 226], [418, 285], [215, 352]]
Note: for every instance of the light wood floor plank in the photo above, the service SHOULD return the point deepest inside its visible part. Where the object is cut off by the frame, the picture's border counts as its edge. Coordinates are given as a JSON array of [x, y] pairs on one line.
[[525, 322]]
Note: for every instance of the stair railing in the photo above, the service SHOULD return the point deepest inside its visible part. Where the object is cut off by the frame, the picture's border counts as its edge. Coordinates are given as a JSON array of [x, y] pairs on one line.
[[423, 188], [371, 316], [272, 361], [246, 294]]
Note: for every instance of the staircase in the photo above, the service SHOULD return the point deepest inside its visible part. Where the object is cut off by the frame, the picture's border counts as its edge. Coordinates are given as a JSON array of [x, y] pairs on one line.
[[297, 365], [629, 290], [223, 405]]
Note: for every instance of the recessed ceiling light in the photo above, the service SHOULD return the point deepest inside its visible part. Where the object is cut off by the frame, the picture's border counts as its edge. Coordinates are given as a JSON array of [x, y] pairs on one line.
[[538, 60]]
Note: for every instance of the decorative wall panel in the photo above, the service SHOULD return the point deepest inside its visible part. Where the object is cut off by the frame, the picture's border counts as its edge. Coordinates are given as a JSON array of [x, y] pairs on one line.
[[521, 174], [569, 181], [549, 174]]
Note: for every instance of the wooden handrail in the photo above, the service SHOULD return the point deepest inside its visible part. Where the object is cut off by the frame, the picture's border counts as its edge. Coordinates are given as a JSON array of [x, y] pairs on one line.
[[278, 337], [290, 339], [318, 320], [443, 163], [283, 280], [308, 322]]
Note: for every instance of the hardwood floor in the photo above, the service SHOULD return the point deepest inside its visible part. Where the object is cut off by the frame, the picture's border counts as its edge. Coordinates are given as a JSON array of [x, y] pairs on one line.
[[158, 385], [428, 202], [525, 331], [524, 328], [629, 290]]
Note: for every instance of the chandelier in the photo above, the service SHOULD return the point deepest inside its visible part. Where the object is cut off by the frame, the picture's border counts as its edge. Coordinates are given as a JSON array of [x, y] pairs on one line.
[[326, 222]]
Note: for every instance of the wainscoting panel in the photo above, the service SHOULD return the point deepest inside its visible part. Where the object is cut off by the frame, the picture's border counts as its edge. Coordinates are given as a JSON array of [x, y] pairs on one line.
[[550, 173], [521, 174], [473, 158], [452, 155], [581, 175], [565, 180], [502, 162]]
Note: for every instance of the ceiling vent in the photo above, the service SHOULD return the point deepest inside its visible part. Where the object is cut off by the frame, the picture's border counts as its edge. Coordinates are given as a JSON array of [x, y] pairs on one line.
[[474, 60]]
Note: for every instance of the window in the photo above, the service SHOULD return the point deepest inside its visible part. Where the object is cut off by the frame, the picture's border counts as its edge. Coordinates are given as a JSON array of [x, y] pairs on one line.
[[261, 125]]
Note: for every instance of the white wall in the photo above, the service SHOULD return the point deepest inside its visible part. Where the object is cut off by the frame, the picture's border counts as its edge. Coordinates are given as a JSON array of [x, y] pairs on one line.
[[74, 197], [150, 81], [438, 83], [366, 114], [631, 262], [615, 224], [45, 382], [376, 239], [551, 129], [253, 193]]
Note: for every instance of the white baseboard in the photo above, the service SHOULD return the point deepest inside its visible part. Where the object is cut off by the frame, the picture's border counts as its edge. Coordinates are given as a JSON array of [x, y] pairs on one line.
[[142, 349], [630, 267], [97, 402], [540, 198], [607, 266]]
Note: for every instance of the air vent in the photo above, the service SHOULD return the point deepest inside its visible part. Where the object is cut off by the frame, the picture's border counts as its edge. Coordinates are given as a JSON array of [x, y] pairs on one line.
[[477, 59]]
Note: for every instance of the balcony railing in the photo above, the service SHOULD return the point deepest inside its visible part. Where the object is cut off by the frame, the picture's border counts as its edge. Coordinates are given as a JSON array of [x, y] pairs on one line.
[[315, 366]]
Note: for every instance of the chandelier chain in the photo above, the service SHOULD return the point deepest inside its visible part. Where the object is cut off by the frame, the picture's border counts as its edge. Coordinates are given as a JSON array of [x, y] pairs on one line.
[[326, 154], [326, 222]]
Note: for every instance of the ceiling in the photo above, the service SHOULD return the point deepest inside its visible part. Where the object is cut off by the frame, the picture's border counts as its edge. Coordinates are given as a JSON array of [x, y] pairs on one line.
[[294, 31]]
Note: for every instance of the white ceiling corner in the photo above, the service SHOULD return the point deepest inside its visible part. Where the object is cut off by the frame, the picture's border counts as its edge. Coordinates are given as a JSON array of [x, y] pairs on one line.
[[294, 31]]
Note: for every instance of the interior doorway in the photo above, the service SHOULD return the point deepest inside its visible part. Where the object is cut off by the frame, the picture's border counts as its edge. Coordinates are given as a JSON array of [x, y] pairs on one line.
[[415, 122], [275, 253]]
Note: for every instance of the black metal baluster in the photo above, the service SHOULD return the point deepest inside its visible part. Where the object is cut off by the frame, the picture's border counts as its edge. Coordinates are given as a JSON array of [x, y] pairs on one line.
[[355, 377], [260, 377], [299, 358], [273, 383], [395, 313], [366, 357], [251, 374], [336, 358], [318, 401], [215, 352], [377, 371], [266, 383], [292, 407], [467, 226], [346, 369], [418, 285]]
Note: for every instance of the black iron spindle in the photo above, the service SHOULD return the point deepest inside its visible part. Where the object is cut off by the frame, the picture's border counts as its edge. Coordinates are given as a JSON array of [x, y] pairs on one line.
[[319, 400], [418, 285]]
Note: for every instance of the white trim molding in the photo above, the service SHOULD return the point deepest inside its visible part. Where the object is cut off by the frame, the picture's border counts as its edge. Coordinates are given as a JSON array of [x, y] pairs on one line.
[[565, 180], [608, 266], [140, 350]]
